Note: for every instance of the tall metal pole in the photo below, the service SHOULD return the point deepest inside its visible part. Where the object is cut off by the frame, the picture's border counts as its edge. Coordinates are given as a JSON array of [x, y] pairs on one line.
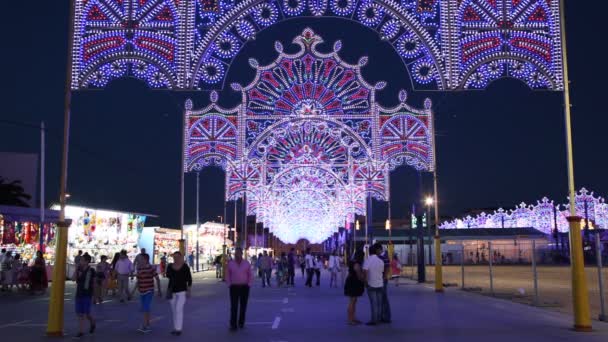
[[55, 313], [580, 293], [244, 244], [198, 225], [182, 175], [236, 241], [437, 239], [368, 218], [42, 186], [598, 256]]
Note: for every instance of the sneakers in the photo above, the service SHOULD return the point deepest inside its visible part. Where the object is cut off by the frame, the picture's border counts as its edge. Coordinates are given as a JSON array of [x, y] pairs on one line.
[[176, 333], [144, 329]]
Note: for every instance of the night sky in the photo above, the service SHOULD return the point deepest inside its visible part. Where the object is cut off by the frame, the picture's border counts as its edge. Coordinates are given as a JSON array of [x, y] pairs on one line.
[[496, 147]]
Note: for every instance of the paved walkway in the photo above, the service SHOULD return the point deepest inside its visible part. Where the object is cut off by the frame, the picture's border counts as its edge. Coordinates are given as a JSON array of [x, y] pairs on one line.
[[303, 314]]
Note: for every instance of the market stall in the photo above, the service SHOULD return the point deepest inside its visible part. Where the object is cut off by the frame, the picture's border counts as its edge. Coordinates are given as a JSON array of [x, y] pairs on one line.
[[103, 232], [20, 232], [210, 241]]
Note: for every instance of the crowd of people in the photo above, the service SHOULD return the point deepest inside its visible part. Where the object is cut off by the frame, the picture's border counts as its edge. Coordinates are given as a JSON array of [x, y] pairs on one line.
[[94, 283], [17, 274]]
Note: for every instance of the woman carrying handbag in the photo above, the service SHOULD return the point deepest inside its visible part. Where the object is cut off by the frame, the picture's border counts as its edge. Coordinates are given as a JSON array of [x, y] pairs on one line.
[[180, 283]]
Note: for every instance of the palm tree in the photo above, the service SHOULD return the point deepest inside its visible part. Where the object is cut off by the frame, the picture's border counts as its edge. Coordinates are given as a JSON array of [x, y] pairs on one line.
[[13, 193]]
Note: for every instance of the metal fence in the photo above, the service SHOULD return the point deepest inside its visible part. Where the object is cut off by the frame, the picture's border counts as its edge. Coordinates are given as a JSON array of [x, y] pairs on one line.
[[528, 272]]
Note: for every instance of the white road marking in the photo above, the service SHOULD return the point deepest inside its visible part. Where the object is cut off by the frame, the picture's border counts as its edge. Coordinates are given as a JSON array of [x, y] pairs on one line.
[[106, 301], [13, 324], [285, 300], [277, 321], [288, 310]]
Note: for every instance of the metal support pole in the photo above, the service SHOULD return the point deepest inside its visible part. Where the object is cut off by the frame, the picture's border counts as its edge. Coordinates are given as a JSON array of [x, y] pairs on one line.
[[491, 273], [535, 274], [580, 292], [368, 218], [598, 255], [462, 267], [244, 245], [55, 313], [182, 179], [42, 186], [198, 225]]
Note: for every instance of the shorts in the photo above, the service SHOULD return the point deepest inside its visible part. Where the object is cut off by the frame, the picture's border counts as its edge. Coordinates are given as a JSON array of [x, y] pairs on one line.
[[83, 305], [146, 301]]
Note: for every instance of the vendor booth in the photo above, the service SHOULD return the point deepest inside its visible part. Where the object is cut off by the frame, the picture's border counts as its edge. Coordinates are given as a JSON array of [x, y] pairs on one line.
[[20, 231], [103, 232]]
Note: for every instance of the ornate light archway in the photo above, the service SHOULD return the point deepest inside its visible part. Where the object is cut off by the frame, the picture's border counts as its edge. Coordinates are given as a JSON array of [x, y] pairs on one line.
[[190, 44], [308, 142]]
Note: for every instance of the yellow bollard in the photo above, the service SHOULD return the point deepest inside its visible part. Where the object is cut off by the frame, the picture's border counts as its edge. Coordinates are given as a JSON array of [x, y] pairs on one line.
[[580, 293], [438, 265], [54, 326], [391, 252]]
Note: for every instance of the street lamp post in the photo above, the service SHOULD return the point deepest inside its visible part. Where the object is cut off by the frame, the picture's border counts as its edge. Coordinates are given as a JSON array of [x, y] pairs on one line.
[[580, 293], [429, 203]]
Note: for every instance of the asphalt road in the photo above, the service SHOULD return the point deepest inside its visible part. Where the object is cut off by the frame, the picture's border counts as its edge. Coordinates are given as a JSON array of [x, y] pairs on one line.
[[303, 314]]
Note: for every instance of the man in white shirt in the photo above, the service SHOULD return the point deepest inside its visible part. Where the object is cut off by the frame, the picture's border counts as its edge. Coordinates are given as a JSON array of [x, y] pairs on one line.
[[334, 268], [309, 260], [124, 269], [373, 269]]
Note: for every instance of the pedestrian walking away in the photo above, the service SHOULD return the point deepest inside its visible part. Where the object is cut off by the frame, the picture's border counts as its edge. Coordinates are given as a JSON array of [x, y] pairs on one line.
[[310, 267], [191, 260], [334, 268], [266, 266], [302, 263], [102, 275], [318, 264], [146, 276], [354, 286], [137, 261], [124, 270], [85, 282], [373, 268], [385, 315], [291, 267], [239, 280], [178, 289]]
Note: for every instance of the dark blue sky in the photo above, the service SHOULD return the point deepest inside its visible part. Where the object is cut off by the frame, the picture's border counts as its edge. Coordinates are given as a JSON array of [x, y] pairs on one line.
[[496, 147]]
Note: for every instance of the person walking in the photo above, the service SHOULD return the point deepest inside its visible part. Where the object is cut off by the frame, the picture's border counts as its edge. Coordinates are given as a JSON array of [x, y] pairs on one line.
[[146, 276], [5, 269], [84, 276], [291, 267], [239, 280], [310, 267], [77, 258], [302, 263], [218, 266], [191, 260], [137, 261], [178, 289], [124, 269], [374, 269], [14, 271], [38, 279], [163, 264], [318, 264], [102, 275], [266, 266], [354, 286], [385, 315], [334, 268], [3, 265], [395, 269]]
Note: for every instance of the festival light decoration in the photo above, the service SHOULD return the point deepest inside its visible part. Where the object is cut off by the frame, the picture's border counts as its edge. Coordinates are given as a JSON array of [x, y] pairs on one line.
[[446, 45], [545, 216], [308, 143]]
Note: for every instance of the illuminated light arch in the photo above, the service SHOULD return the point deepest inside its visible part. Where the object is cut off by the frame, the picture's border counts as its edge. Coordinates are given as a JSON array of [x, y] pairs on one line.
[[507, 38], [393, 21], [545, 216], [116, 38], [445, 45], [308, 142]]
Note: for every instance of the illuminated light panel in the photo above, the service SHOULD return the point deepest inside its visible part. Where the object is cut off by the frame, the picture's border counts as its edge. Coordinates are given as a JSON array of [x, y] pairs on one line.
[[305, 145]]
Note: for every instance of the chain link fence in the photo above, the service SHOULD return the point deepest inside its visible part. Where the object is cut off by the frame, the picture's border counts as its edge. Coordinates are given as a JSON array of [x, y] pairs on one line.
[[528, 271]]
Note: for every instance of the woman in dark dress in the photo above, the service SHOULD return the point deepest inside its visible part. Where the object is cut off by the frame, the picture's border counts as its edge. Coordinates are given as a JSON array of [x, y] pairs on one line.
[[38, 279], [354, 285]]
